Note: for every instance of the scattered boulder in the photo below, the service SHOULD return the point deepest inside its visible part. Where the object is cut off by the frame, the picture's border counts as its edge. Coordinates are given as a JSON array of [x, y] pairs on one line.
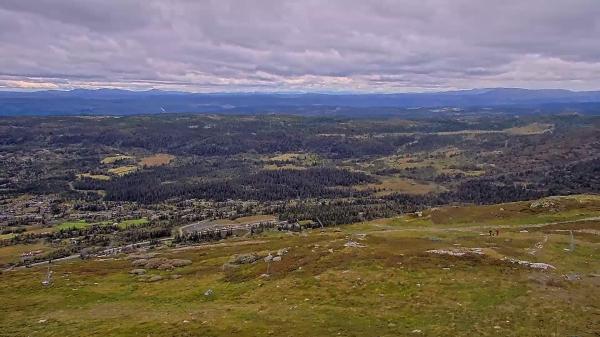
[[268, 258], [209, 292], [547, 203], [138, 271], [282, 251], [156, 262], [353, 244], [139, 263], [533, 265], [165, 266], [160, 263], [155, 278], [457, 251], [277, 259], [180, 263], [572, 277], [245, 258]]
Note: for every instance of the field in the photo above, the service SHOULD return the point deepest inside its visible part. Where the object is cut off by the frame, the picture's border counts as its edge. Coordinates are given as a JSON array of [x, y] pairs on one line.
[[6, 236], [156, 160], [115, 165], [448, 160], [83, 224], [72, 224], [531, 129], [390, 185], [114, 159], [376, 278], [10, 254], [292, 161], [123, 170]]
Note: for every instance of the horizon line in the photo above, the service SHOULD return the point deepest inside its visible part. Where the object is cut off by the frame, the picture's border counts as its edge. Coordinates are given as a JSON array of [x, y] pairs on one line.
[[283, 92]]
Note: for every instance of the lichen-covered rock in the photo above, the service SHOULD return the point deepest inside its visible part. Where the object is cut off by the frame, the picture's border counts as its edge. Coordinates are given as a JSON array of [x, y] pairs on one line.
[[457, 251], [353, 244], [245, 258], [156, 262], [139, 263], [161, 263], [165, 266], [180, 263], [533, 265], [155, 278]]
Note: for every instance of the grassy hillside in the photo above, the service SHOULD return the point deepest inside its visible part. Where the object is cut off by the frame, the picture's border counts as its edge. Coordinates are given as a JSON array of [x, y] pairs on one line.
[[367, 279]]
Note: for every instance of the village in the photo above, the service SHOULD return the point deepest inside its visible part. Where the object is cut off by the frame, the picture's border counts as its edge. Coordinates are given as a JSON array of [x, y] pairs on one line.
[[48, 224]]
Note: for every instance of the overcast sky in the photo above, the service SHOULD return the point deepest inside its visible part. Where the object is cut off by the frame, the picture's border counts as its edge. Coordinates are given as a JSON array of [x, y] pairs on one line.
[[320, 45]]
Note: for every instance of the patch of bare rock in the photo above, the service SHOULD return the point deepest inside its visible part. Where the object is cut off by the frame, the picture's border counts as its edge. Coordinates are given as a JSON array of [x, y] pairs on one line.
[[463, 251], [253, 257], [457, 251], [532, 265], [160, 263]]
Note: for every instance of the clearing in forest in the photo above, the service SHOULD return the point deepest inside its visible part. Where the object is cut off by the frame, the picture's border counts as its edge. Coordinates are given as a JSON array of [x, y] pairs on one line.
[[531, 129], [80, 224], [123, 170], [390, 185], [158, 159], [114, 159]]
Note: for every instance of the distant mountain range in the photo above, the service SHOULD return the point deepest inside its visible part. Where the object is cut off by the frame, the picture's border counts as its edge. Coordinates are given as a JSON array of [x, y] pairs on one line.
[[125, 102]]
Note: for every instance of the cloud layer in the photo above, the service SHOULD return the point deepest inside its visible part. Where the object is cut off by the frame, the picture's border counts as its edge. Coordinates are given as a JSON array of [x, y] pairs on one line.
[[311, 45]]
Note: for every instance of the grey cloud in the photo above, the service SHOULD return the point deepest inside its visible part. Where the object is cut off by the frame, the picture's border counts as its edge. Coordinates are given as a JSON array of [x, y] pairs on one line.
[[374, 45]]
